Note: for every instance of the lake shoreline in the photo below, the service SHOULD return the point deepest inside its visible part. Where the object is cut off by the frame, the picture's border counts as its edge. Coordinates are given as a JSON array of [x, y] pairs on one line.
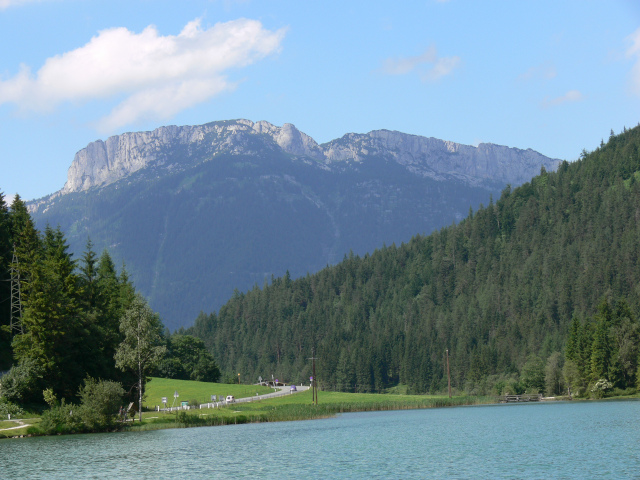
[[283, 410]]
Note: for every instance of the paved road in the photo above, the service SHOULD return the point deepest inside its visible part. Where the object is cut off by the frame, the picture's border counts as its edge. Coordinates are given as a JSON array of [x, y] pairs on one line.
[[281, 391]]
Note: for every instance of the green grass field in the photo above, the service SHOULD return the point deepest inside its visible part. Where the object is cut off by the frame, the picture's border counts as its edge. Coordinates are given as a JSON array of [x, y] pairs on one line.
[[290, 407], [17, 431], [189, 390]]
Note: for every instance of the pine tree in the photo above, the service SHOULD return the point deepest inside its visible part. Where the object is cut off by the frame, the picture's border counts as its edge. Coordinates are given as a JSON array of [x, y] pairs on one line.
[[51, 319], [601, 350], [6, 252]]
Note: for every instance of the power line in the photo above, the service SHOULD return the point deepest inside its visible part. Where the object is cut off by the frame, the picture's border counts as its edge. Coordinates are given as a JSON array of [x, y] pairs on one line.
[[15, 323]]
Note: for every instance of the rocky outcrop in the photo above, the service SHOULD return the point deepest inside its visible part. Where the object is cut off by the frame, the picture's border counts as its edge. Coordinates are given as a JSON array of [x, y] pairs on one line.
[[104, 162], [435, 158]]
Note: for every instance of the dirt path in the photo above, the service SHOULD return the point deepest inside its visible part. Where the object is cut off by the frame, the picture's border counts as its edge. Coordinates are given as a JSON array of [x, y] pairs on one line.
[[20, 423]]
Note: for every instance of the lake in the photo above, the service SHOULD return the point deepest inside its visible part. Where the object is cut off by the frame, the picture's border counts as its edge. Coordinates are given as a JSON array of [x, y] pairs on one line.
[[538, 440]]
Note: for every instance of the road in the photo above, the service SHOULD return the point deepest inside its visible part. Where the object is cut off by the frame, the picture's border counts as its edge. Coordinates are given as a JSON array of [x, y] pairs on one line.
[[281, 391]]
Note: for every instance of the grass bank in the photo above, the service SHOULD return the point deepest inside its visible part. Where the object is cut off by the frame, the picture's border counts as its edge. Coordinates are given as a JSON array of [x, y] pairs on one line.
[[188, 391], [298, 407], [290, 407]]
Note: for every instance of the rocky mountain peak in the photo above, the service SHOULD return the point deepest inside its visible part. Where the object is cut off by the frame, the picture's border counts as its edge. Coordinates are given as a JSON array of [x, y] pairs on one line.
[[104, 162]]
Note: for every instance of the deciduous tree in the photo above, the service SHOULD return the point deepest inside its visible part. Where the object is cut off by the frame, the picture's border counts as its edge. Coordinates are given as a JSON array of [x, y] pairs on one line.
[[142, 347]]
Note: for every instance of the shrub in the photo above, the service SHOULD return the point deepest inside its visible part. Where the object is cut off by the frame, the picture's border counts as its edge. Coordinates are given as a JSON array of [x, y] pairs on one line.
[[21, 384], [8, 408], [100, 404], [59, 419], [98, 411], [600, 387]]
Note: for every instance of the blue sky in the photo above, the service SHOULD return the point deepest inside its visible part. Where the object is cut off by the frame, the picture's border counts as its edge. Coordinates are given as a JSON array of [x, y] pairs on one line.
[[555, 76]]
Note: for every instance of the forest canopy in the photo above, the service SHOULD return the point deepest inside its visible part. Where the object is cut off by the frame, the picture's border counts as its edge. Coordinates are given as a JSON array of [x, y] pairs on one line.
[[502, 291]]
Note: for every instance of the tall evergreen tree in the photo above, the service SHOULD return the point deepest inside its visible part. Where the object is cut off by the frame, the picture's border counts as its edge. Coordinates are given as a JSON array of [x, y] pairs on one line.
[[6, 252], [51, 319]]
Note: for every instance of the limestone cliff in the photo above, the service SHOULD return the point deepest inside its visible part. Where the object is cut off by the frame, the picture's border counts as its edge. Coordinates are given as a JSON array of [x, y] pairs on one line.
[[104, 162]]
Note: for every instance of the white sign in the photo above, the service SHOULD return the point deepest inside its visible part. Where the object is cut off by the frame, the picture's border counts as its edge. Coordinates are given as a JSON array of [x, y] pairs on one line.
[[164, 399], [175, 394]]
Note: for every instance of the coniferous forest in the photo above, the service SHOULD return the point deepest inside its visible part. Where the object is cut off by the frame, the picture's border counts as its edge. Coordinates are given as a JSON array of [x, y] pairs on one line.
[[537, 291], [75, 329]]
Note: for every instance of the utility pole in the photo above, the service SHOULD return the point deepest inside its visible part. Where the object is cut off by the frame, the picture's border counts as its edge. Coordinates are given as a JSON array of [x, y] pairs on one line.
[[314, 388], [15, 322], [448, 373]]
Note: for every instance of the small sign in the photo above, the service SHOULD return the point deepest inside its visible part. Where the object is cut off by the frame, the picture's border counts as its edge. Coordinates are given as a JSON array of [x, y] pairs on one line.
[[184, 404], [311, 379], [175, 394], [260, 379], [214, 398], [164, 399]]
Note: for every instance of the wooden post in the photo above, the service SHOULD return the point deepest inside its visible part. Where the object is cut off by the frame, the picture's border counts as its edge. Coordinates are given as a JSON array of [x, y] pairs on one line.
[[448, 374]]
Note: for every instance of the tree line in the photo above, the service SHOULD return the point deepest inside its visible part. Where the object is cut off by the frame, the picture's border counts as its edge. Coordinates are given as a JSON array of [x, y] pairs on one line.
[[67, 326], [499, 290]]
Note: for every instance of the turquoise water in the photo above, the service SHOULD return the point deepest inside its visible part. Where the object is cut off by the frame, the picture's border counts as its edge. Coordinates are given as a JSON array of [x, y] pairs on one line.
[[548, 440]]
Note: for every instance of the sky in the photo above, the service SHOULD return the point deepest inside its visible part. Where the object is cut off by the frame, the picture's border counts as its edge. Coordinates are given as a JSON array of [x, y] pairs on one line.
[[555, 76]]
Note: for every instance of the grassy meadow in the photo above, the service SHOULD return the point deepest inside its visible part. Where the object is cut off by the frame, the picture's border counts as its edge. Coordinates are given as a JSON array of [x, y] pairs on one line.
[[290, 407], [190, 391]]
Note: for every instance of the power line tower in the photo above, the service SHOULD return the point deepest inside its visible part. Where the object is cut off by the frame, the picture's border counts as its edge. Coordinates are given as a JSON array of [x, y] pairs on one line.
[[15, 325]]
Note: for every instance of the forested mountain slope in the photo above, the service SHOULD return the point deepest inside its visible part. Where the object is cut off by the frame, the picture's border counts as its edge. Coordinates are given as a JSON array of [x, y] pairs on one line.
[[198, 211], [498, 287]]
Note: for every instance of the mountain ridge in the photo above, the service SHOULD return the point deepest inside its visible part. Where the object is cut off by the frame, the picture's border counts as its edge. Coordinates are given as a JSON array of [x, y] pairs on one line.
[[104, 162], [199, 211]]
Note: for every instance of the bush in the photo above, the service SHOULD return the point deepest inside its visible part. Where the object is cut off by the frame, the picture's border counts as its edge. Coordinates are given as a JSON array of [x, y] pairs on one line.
[[100, 404], [98, 411], [60, 419], [599, 389], [8, 408], [21, 384]]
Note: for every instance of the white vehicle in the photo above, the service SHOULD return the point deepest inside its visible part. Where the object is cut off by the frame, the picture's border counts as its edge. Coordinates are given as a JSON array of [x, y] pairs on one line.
[[230, 399]]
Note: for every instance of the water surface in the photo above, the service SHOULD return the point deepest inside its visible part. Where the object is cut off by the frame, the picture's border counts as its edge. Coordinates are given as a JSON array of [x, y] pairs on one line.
[[547, 440]]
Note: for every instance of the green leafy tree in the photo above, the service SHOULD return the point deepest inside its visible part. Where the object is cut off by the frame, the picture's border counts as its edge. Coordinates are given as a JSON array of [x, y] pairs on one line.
[[553, 379], [23, 383], [573, 377], [188, 359], [142, 347], [100, 404], [532, 375]]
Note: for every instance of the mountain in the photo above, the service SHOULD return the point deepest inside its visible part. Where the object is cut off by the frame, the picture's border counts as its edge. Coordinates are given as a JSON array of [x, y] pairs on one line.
[[198, 211], [546, 275]]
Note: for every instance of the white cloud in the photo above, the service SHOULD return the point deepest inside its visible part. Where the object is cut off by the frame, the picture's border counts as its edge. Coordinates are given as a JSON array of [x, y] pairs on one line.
[[432, 66], [633, 52], [569, 97], [159, 75]]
